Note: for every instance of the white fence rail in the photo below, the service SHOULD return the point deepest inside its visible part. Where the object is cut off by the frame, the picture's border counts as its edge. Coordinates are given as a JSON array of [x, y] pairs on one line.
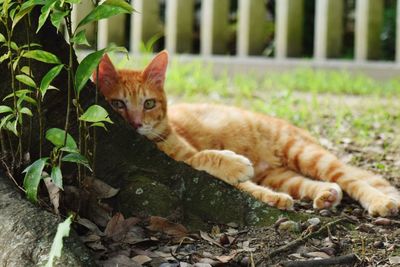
[[176, 25]]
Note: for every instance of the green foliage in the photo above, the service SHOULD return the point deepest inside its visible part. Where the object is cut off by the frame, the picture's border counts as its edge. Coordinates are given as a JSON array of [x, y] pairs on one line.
[[60, 139], [56, 176], [48, 78], [32, 178], [108, 9], [95, 114], [42, 56], [88, 66], [56, 248], [27, 93]]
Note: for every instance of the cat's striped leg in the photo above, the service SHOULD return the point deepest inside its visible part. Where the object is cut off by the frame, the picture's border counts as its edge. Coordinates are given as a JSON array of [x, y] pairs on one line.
[[224, 164], [323, 194], [266, 195], [373, 192]]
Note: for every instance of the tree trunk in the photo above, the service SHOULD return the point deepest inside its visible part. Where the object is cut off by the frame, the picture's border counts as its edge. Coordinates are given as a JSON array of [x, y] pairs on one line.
[[26, 233]]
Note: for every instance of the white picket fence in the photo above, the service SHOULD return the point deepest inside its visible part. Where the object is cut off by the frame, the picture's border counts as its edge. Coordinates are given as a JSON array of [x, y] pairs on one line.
[[177, 28]]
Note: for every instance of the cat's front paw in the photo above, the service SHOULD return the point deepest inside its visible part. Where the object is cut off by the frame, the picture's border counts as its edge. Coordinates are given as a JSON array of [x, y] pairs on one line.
[[384, 207], [238, 170], [328, 197]]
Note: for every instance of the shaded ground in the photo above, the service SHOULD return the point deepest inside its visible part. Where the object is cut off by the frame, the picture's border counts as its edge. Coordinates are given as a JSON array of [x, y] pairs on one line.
[[362, 130]]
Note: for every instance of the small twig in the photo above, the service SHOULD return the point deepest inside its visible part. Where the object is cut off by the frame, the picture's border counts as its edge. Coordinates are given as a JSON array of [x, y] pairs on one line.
[[302, 239], [8, 173], [341, 260]]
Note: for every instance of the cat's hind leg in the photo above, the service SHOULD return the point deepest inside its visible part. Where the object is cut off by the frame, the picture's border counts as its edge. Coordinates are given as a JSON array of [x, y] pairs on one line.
[[373, 192], [323, 194]]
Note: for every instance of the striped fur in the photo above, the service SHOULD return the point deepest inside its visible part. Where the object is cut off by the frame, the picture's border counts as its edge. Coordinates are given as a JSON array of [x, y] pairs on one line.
[[264, 156]]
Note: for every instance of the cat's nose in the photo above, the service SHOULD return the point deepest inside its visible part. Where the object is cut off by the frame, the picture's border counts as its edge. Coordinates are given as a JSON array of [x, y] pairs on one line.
[[137, 125]]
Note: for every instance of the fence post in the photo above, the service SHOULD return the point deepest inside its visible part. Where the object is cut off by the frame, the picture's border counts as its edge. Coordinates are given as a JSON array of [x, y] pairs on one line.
[[214, 36], [328, 39], [369, 19], [251, 27], [179, 26], [145, 23], [78, 13], [289, 28]]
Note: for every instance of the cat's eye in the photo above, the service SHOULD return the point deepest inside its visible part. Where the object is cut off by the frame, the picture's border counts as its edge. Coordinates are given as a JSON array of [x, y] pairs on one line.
[[117, 104], [149, 103]]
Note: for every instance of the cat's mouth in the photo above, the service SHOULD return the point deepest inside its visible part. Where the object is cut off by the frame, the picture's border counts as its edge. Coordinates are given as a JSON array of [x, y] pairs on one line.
[[144, 130]]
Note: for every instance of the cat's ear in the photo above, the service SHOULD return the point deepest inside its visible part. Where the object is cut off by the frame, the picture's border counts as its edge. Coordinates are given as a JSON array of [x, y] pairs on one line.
[[107, 76], [155, 72]]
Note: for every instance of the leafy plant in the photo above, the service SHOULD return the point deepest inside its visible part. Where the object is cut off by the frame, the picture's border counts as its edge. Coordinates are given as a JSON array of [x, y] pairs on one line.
[[27, 92]]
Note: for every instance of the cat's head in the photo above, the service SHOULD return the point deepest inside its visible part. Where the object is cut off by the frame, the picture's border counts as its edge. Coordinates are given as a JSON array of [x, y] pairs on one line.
[[138, 96]]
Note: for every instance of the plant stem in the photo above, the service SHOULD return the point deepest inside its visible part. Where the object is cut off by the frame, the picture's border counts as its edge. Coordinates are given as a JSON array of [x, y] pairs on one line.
[[96, 44], [69, 80], [15, 110], [28, 38]]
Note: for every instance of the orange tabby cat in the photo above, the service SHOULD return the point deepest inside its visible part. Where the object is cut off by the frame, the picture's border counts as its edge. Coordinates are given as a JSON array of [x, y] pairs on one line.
[[264, 156]]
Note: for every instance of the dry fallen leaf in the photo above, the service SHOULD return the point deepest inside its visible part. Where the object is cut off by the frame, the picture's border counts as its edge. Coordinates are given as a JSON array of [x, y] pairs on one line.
[[99, 188], [206, 237], [227, 258], [89, 225], [120, 261], [54, 194], [159, 224], [117, 227], [141, 259]]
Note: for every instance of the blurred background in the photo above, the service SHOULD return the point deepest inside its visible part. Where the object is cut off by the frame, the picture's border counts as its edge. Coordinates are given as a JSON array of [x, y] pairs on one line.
[[268, 28]]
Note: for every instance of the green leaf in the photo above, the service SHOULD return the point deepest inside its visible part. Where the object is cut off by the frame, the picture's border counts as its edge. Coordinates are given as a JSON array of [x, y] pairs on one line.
[[89, 64], [42, 56], [103, 11], [25, 70], [48, 78], [18, 93], [56, 248], [31, 45], [45, 12], [31, 3], [12, 127], [26, 111], [5, 119], [5, 109], [80, 38], [95, 113], [32, 178], [25, 79], [121, 3], [98, 124], [21, 94], [2, 38], [20, 15], [56, 136], [76, 158], [56, 176], [57, 17], [14, 46], [30, 100], [5, 56], [86, 68]]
